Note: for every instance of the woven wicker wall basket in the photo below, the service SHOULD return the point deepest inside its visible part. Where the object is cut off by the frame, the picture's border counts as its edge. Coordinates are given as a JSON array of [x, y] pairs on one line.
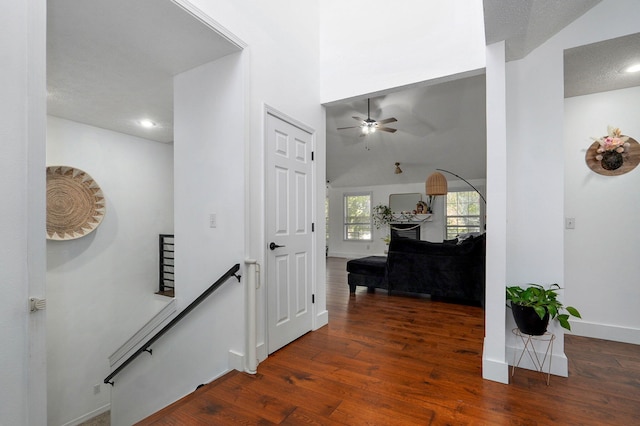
[[630, 160], [75, 203]]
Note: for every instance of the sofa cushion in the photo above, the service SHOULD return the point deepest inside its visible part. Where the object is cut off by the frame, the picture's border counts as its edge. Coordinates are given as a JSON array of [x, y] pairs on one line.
[[468, 246], [372, 265]]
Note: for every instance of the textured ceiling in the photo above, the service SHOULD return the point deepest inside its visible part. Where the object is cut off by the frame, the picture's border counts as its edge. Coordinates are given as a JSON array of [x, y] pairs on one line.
[[599, 67], [111, 63], [526, 24]]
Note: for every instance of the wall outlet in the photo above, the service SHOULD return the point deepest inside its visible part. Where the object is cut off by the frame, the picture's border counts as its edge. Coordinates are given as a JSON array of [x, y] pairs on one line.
[[96, 389]]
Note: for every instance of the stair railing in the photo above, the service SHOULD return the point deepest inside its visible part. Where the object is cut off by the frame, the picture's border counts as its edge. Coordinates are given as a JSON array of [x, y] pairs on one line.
[[145, 348], [166, 264]]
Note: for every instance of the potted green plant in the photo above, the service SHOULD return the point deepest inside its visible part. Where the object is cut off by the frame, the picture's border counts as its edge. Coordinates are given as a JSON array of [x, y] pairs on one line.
[[382, 215], [534, 306]]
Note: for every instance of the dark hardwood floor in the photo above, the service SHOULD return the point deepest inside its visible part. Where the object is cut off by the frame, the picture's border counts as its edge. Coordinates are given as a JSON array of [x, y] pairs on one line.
[[394, 360]]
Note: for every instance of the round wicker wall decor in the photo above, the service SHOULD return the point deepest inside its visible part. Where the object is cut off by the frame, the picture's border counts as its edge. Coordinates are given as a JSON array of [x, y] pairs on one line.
[[631, 159], [75, 203]]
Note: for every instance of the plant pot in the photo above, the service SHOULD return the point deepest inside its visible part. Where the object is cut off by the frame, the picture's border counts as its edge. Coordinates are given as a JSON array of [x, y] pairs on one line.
[[611, 160], [528, 321]]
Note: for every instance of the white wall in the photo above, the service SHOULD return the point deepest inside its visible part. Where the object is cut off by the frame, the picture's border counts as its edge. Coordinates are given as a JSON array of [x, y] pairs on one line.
[[219, 156], [23, 397], [433, 230], [282, 69], [100, 288], [209, 178], [373, 45], [535, 160], [605, 208]]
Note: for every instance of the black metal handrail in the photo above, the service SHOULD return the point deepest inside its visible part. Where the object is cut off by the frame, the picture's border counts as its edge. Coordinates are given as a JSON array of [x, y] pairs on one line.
[[145, 348]]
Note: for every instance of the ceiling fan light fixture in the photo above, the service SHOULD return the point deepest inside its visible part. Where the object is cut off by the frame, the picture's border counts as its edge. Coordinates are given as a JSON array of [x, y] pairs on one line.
[[368, 127]]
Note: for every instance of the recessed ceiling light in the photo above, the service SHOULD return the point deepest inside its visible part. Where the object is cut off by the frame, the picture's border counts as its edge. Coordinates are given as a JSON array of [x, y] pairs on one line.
[[147, 123], [633, 68]]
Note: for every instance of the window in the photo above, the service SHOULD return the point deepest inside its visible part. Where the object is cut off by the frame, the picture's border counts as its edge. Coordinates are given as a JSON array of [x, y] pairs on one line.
[[357, 217], [463, 213]]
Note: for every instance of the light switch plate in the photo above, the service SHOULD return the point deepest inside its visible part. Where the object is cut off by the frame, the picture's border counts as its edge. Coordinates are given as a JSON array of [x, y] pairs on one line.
[[570, 222]]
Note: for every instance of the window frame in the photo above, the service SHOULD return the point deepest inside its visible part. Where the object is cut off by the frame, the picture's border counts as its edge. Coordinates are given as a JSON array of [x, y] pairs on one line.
[[346, 223], [480, 215]]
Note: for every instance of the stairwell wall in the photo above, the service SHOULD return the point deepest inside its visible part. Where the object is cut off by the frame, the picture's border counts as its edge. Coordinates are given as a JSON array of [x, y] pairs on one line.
[[100, 288]]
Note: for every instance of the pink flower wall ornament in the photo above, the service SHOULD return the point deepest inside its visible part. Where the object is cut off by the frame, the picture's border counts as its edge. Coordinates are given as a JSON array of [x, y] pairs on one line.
[[614, 154], [614, 141]]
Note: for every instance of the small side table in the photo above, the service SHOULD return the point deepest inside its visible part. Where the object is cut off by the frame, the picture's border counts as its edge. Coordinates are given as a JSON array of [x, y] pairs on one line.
[[530, 349]]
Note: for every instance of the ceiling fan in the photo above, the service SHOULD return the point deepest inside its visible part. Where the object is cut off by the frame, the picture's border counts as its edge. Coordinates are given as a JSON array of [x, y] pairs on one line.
[[369, 125]]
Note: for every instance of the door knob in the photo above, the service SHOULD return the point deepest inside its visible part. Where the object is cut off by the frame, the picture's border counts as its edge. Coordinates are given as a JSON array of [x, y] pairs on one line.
[[274, 246]]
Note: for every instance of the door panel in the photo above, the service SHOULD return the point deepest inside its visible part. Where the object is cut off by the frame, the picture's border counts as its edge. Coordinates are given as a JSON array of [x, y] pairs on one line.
[[301, 293], [288, 226], [281, 285]]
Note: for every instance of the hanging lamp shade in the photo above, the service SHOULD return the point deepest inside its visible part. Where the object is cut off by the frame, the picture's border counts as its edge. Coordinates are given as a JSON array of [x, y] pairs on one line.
[[436, 184]]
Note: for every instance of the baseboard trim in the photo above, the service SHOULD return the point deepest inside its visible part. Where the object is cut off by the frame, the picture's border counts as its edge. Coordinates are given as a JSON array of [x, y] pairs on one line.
[[559, 362], [494, 370], [213, 379], [89, 415], [261, 352], [322, 319], [236, 360], [606, 332], [141, 335]]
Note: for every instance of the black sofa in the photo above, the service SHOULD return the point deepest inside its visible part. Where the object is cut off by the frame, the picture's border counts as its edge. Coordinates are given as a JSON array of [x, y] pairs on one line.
[[368, 272], [452, 270]]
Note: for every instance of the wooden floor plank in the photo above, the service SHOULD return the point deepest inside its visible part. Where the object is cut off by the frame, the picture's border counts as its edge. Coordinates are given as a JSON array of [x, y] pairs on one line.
[[398, 360]]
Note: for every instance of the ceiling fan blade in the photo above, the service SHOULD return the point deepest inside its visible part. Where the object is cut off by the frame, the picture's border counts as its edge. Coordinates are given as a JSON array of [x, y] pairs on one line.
[[386, 129], [344, 128], [358, 118], [387, 120]]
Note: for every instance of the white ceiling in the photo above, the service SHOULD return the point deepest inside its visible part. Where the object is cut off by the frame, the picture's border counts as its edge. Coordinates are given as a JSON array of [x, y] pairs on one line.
[[441, 125], [111, 63], [436, 129]]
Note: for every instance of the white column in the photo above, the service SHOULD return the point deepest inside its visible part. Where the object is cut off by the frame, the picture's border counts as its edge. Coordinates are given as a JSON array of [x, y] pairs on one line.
[[494, 365]]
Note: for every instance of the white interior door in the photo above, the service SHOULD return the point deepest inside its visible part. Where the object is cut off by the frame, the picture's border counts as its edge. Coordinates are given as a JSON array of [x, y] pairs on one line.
[[288, 232]]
